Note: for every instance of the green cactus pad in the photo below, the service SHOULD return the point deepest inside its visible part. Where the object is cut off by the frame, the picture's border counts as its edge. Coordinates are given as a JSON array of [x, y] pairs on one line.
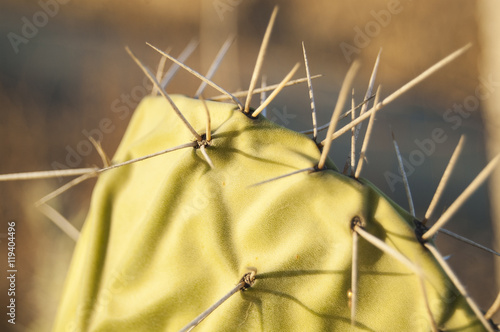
[[167, 237]]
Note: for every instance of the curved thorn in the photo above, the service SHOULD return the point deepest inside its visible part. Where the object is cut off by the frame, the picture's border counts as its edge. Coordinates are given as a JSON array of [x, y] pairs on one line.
[[159, 71], [100, 151]]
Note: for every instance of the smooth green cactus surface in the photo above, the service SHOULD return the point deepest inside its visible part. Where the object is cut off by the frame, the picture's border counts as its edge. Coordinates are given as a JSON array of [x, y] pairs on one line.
[[167, 237]]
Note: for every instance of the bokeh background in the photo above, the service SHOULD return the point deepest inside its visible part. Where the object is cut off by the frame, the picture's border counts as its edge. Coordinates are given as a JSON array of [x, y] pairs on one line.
[[73, 71]]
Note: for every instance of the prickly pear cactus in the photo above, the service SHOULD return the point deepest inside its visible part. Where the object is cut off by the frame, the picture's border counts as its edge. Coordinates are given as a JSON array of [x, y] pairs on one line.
[[212, 217], [167, 237]]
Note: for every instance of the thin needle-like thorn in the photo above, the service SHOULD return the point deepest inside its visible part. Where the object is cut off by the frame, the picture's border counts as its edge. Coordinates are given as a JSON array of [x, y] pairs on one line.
[[346, 114], [195, 322], [46, 174], [354, 277], [195, 73], [65, 187], [458, 285], [444, 179], [385, 248], [353, 138], [402, 259], [164, 93], [209, 122], [311, 94], [309, 169], [364, 147], [213, 67], [247, 281], [260, 59], [342, 116], [128, 162], [276, 91], [371, 83], [344, 90], [100, 151], [159, 71], [369, 91], [473, 186], [207, 158], [60, 221], [403, 175], [266, 89], [470, 242], [426, 74], [399, 92], [494, 308], [86, 172], [263, 94], [434, 326], [169, 75]]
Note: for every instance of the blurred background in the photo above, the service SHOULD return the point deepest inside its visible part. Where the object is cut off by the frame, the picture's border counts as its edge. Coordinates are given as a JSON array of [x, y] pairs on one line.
[[63, 69]]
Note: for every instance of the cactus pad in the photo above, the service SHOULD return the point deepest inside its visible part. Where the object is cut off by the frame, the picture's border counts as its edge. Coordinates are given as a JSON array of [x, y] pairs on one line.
[[167, 237]]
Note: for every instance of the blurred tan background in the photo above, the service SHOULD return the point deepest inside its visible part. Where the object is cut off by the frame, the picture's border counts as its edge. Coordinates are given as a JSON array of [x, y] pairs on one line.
[[73, 72]]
